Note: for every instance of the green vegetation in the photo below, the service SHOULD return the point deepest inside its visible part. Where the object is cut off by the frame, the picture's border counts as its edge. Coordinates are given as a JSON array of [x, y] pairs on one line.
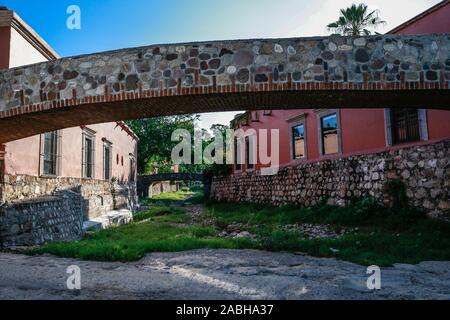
[[376, 235], [356, 20], [165, 231]]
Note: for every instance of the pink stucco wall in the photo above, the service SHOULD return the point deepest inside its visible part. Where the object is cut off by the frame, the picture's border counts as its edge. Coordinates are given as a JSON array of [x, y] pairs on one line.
[[435, 21], [23, 156], [362, 130]]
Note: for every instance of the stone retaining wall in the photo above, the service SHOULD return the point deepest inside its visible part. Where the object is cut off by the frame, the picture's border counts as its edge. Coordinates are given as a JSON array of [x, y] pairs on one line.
[[424, 170], [100, 196], [41, 220], [35, 210]]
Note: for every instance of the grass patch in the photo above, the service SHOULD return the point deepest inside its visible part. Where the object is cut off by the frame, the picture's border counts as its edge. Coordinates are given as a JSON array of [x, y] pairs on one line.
[[383, 236], [163, 233]]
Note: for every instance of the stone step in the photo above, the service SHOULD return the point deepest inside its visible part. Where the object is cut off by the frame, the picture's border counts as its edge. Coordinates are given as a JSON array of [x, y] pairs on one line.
[[111, 219]]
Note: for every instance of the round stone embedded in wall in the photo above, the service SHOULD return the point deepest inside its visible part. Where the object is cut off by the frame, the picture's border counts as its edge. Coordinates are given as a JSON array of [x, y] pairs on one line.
[[204, 56], [261, 78], [243, 58], [193, 62], [377, 64], [291, 50], [278, 48], [231, 70], [243, 75], [360, 42], [69, 75], [131, 82], [225, 51], [327, 55], [332, 46], [297, 76], [171, 56], [266, 48], [214, 64], [362, 56]]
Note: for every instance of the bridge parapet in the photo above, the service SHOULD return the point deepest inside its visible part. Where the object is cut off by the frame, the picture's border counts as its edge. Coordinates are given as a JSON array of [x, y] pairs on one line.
[[227, 75]]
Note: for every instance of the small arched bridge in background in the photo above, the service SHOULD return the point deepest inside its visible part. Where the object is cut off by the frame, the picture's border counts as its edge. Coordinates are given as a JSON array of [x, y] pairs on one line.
[[144, 182], [322, 72]]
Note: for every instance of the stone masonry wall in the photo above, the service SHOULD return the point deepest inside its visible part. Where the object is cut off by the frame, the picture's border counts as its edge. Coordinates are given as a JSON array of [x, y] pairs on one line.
[[371, 71], [100, 196], [36, 210], [424, 169], [41, 220]]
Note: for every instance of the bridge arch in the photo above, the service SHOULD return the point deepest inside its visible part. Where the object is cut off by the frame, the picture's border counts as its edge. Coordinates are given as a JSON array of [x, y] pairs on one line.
[[158, 80], [144, 182]]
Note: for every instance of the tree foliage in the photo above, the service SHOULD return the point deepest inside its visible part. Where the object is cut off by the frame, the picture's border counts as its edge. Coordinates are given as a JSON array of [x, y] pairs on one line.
[[155, 144], [356, 20]]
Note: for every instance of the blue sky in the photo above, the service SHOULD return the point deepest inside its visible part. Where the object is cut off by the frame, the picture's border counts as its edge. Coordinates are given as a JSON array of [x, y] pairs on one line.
[[115, 24]]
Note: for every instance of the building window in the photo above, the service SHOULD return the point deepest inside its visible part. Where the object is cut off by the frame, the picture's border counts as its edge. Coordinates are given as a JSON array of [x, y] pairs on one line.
[[50, 153], [132, 168], [107, 160], [237, 154], [88, 154], [330, 140], [298, 142], [250, 158], [329, 134], [405, 125]]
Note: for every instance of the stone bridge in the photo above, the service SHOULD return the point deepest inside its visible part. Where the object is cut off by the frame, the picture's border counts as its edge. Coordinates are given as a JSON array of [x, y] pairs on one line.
[[144, 182], [158, 80]]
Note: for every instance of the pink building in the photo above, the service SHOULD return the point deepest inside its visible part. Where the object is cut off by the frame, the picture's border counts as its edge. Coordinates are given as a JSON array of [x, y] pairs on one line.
[[105, 151], [321, 134], [55, 185]]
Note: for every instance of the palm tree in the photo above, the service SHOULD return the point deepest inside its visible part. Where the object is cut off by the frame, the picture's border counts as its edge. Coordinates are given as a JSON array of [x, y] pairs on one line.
[[355, 21]]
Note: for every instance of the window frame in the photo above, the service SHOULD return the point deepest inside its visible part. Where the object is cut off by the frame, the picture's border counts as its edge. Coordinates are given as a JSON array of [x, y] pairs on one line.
[[237, 151], [132, 175], [88, 134], [250, 144], [293, 123], [107, 145], [58, 154], [423, 127], [322, 113]]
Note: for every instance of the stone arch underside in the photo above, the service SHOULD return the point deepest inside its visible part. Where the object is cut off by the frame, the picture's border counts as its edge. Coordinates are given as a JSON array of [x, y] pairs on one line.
[[320, 72]]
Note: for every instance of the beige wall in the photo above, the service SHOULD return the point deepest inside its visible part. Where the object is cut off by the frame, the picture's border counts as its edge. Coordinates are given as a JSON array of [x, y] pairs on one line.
[[21, 52]]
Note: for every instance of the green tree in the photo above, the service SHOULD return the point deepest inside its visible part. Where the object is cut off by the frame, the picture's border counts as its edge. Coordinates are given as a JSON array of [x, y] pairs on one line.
[[155, 144], [356, 20]]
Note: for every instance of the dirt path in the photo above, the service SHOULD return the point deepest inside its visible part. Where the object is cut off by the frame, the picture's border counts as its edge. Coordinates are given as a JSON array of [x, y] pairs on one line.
[[218, 274]]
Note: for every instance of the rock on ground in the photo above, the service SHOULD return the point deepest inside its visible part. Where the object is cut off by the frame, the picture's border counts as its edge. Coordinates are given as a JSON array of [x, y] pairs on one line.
[[218, 274]]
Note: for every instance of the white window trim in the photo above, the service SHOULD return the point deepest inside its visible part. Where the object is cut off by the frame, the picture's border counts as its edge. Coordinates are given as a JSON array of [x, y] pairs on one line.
[[323, 113], [295, 122]]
